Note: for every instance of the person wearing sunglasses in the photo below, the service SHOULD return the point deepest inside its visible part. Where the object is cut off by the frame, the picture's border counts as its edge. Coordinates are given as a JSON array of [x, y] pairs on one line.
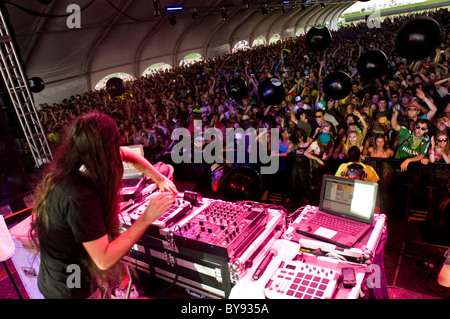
[[440, 148], [413, 144], [414, 108], [319, 116]]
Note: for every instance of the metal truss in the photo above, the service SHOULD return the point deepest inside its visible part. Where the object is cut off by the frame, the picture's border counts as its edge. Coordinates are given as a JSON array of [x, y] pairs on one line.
[[18, 89]]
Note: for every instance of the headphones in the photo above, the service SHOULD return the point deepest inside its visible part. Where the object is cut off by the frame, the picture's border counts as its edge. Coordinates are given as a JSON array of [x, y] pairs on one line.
[[354, 170]]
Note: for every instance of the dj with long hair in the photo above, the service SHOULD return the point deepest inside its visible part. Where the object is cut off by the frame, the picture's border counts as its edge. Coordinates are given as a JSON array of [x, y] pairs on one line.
[[75, 218]]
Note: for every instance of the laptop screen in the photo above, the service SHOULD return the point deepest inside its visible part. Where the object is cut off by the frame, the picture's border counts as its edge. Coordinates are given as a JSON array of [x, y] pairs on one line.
[[349, 198], [129, 171]]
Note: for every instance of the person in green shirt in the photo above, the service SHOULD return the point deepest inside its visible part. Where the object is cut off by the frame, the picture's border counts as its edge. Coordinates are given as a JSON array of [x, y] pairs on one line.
[[413, 144]]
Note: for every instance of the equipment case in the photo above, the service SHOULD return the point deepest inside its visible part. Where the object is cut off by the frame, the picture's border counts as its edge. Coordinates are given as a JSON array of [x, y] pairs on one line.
[[174, 255], [362, 252]]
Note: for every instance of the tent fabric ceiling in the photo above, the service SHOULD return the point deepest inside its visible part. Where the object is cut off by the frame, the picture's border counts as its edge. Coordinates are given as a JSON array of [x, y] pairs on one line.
[[130, 35]]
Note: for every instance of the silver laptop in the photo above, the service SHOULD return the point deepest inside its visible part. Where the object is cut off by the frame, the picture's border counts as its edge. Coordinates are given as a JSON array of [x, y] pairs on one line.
[[345, 211], [133, 179]]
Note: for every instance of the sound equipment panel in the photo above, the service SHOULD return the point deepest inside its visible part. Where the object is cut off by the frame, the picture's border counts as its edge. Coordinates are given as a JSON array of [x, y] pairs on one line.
[[223, 249], [205, 248], [174, 213], [223, 228], [299, 280]]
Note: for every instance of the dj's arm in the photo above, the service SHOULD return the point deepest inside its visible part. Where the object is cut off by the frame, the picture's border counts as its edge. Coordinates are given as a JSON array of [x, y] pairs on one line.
[[143, 165], [105, 253]]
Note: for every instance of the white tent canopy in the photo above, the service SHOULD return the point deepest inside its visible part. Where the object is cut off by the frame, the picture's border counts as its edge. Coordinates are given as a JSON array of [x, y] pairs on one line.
[[72, 51]]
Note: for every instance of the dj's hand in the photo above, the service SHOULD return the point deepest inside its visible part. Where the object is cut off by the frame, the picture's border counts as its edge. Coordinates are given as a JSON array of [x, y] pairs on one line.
[[166, 185], [158, 206]]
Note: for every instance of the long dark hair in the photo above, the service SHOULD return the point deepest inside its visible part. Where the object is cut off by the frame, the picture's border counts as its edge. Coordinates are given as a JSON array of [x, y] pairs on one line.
[[91, 140]]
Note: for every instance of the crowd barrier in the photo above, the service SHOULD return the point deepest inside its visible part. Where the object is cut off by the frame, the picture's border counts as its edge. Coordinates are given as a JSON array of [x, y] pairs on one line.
[[415, 194]]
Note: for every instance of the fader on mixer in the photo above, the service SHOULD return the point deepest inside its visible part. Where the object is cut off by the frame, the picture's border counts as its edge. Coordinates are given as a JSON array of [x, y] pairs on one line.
[[224, 224]]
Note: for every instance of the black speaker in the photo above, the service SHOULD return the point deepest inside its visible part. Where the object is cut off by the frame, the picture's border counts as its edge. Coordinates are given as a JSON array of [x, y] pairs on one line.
[[243, 183], [13, 176]]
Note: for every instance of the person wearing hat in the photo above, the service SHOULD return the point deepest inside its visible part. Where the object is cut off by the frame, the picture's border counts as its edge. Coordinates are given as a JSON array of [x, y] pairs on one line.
[[413, 109], [383, 121], [320, 104], [289, 98], [298, 103], [405, 100]]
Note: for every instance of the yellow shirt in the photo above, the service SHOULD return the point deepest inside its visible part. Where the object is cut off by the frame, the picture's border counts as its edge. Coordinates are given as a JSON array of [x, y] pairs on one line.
[[370, 174]]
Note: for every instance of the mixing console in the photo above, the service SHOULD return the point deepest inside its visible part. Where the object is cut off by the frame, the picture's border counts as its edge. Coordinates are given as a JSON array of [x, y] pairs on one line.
[[224, 224]]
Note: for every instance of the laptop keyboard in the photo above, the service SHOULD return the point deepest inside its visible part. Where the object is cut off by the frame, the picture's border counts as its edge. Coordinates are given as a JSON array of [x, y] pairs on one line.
[[343, 225]]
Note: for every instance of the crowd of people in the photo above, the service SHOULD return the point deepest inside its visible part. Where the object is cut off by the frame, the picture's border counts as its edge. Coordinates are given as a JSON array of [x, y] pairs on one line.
[[403, 115]]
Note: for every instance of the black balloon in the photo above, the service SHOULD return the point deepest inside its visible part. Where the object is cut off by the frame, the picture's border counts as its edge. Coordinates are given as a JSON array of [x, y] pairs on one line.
[[318, 38], [337, 85], [271, 91], [236, 88], [36, 84], [372, 64], [418, 38], [114, 86]]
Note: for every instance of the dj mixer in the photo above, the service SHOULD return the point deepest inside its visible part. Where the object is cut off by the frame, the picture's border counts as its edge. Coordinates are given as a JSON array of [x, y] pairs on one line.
[[205, 246], [222, 227]]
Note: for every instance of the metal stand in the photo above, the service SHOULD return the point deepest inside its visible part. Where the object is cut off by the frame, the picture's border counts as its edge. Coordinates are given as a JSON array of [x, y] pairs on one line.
[[12, 279], [18, 89], [130, 282]]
